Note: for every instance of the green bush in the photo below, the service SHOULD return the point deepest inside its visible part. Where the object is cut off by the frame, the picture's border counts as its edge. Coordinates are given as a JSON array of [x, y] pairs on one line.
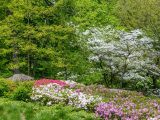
[[6, 87], [23, 91], [158, 83], [91, 78], [17, 91], [144, 86], [26, 84], [3, 87], [60, 112], [15, 110]]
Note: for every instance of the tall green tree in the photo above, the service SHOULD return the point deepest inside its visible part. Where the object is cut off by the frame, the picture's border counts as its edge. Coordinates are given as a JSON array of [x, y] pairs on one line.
[[36, 37]]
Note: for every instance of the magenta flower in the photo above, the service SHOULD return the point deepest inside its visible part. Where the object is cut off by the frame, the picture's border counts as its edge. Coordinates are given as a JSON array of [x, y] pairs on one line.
[[48, 81]]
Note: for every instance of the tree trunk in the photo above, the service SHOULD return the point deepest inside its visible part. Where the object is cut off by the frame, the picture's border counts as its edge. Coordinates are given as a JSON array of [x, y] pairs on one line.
[[65, 73], [15, 61], [103, 73], [154, 82], [112, 78], [29, 65], [105, 78]]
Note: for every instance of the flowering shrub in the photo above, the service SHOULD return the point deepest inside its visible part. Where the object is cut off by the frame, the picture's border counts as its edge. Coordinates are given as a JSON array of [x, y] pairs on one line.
[[116, 105], [128, 111], [131, 104], [127, 105], [124, 55], [72, 84], [109, 111], [81, 100], [47, 81], [49, 94], [55, 93]]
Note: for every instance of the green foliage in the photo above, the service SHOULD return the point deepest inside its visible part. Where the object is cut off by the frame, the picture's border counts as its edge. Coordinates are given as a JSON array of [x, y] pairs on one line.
[[143, 15], [37, 39], [144, 86], [23, 91], [40, 38], [12, 110], [16, 91], [91, 78], [158, 83], [6, 87], [94, 13], [3, 87], [139, 14]]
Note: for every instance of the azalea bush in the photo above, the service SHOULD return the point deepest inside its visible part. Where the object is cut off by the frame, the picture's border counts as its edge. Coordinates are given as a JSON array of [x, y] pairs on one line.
[[128, 111], [120, 104], [47, 81], [127, 105], [56, 91], [109, 111]]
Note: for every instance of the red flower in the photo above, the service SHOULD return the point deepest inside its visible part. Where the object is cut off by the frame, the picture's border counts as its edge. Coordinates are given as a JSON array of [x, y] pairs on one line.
[[48, 81]]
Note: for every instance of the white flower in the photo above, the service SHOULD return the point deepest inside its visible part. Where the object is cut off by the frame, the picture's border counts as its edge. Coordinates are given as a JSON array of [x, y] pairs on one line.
[[49, 103]]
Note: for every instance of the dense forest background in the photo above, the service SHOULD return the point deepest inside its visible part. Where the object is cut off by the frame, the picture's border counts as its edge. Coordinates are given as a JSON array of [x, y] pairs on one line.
[[49, 38]]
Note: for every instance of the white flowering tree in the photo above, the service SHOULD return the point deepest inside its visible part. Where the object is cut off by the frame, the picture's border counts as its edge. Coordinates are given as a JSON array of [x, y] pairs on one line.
[[128, 56]]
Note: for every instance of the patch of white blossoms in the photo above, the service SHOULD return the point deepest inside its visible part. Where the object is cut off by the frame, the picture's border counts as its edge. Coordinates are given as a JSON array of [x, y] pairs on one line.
[[128, 55], [81, 100], [54, 93]]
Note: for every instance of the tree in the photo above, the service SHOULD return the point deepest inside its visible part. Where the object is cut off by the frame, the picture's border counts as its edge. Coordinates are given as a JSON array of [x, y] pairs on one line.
[[91, 13], [36, 38], [124, 55], [141, 14]]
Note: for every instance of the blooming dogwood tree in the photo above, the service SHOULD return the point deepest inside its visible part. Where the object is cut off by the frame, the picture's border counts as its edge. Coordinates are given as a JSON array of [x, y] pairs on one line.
[[126, 55]]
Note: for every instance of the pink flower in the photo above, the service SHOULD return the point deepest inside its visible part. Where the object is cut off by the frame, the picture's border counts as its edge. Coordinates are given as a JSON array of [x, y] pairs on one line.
[[48, 81]]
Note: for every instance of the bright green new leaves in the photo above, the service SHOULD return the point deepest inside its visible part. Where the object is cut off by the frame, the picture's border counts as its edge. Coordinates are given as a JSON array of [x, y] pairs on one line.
[[35, 36]]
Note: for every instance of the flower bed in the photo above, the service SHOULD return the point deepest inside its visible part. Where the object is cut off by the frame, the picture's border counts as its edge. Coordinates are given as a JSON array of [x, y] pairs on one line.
[[128, 111], [49, 92], [126, 105], [120, 105]]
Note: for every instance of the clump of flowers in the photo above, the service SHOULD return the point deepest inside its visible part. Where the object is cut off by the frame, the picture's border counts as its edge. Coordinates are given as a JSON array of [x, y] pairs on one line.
[[129, 109], [57, 92], [109, 111], [49, 94], [81, 100], [72, 84], [122, 105], [47, 81]]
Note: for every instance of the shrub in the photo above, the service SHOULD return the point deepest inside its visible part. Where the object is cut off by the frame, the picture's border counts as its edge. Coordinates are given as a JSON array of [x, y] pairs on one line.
[[47, 81], [144, 86], [23, 91], [109, 111], [27, 84], [14, 110], [55, 93], [3, 87], [158, 83], [128, 110], [6, 87]]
